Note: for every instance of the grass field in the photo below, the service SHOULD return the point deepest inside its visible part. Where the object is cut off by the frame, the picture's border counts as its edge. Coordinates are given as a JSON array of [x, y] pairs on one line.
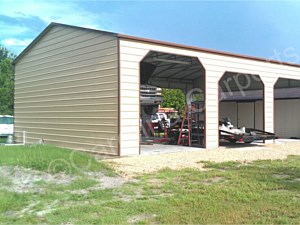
[[262, 192], [2, 139], [50, 159]]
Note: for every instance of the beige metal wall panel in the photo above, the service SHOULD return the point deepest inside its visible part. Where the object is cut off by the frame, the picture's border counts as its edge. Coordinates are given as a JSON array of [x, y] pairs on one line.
[[93, 78], [229, 109], [74, 55], [96, 66], [133, 51], [269, 102], [65, 46], [66, 90], [129, 100], [71, 95], [259, 115], [246, 114], [65, 62], [88, 88], [287, 124], [218, 62], [129, 111], [250, 113], [212, 109], [108, 93]]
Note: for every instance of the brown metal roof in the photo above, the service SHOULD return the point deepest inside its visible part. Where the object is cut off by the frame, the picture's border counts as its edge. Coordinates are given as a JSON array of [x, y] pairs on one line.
[[174, 45]]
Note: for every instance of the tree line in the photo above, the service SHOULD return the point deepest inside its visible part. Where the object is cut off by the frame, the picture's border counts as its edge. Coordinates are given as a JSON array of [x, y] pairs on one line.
[[6, 81]]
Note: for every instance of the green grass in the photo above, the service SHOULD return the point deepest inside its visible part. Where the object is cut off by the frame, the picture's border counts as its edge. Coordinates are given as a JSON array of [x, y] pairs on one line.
[[262, 192], [51, 159], [3, 139]]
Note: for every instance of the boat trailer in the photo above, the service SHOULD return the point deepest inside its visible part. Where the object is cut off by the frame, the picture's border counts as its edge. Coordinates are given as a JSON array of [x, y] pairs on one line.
[[247, 135]]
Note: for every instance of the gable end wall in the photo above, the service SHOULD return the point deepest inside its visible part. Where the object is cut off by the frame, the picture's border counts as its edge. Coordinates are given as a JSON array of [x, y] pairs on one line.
[[66, 90]]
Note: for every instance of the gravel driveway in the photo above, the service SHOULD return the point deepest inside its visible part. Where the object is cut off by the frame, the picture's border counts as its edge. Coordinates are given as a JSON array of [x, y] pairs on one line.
[[132, 166]]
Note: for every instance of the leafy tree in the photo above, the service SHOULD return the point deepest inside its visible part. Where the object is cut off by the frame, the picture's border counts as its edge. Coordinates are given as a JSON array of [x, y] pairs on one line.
[[173, 98], [6, 82], [5, 53]]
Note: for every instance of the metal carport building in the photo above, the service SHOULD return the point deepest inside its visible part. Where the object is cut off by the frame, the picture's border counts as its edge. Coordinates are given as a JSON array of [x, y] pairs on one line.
[[79, 88]]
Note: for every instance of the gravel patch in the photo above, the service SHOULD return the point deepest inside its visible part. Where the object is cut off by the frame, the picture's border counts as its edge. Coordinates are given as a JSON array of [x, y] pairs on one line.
[[24, 180], [132, 166], [106, 182], [103, 182]]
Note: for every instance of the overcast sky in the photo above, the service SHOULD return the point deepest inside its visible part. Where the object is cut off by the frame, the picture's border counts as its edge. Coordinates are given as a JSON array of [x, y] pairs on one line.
[[269, 29]]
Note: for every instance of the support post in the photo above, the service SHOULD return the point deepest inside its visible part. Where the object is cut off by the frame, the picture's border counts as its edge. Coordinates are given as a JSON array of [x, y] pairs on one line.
[[268, 104], [212, 108]]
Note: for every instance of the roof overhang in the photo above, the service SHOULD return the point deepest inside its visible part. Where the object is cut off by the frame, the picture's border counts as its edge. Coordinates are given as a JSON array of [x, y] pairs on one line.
[[145, 40], [205, 50]]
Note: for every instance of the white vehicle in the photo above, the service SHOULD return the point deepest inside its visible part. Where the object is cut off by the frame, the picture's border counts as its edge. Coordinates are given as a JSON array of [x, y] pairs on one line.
[[6, 125]]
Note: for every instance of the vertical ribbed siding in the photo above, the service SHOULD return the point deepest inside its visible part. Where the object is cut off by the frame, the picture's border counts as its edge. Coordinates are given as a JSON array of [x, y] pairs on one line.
[[229, 109], [233, 110], [287, 123], [212, 108], [246, 114], [259, 115], [130, 99], [269, 83], [66, 90]]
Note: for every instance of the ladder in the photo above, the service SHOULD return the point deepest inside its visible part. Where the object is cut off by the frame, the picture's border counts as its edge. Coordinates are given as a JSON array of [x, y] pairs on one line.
[[192, 115], [186, 116], [197, 127]]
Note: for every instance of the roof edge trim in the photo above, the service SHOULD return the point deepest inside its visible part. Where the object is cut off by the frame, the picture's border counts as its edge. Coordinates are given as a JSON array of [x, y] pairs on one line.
[[51, 25], [139, 39], [188, 47]]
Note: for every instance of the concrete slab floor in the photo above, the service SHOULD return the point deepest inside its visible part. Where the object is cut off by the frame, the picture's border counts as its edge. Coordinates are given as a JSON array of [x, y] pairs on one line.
[[164, 148]]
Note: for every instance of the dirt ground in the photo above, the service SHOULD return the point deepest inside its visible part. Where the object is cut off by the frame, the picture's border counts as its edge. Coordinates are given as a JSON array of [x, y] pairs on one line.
[[22, 180], [132, 166], [19, 179]]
